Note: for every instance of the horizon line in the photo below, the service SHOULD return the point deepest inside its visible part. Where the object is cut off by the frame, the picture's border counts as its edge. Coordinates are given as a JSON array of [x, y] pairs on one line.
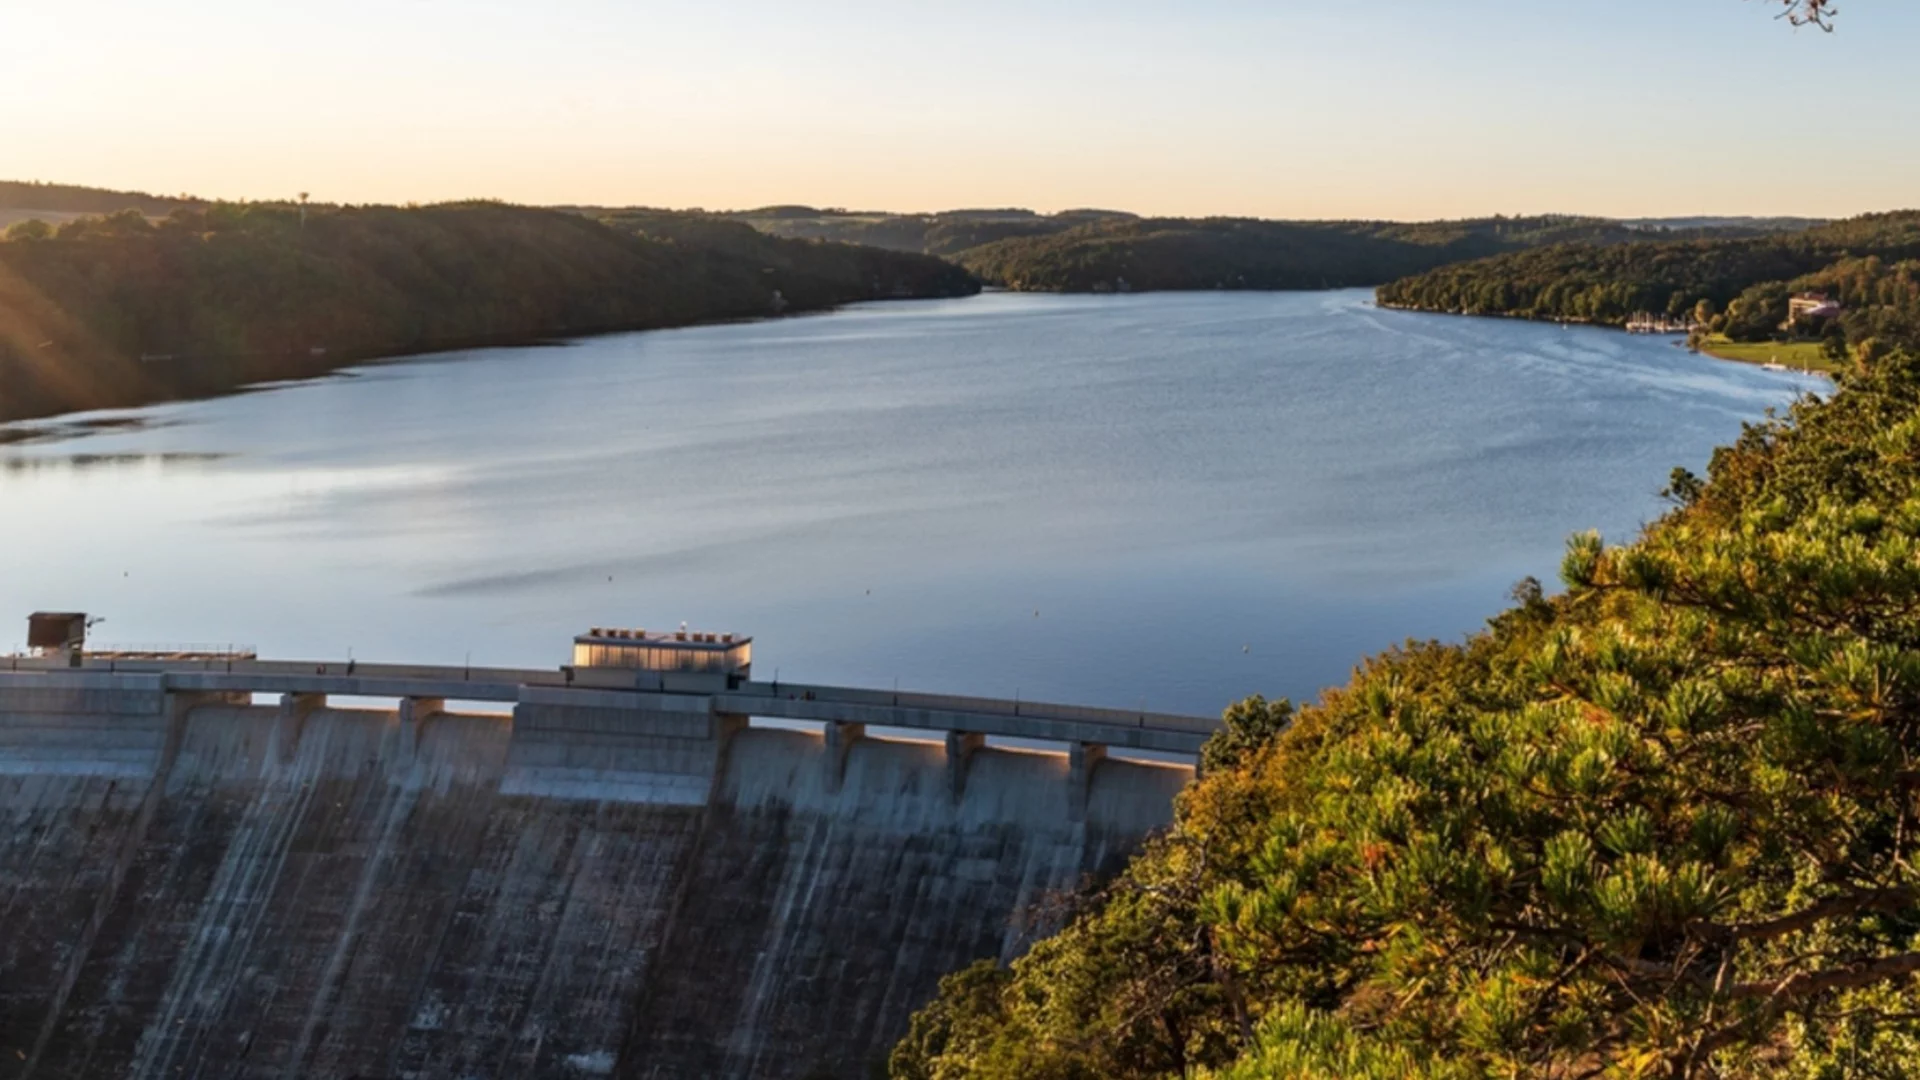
[[871, 211]]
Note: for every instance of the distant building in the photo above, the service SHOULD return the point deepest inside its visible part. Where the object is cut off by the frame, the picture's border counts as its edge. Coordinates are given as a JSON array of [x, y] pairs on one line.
[[1811, 307], [681, 650], [57, 633], [53, 632]]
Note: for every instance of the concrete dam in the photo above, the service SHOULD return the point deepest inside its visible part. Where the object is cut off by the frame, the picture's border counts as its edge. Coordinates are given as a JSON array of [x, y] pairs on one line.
[[215, 868]]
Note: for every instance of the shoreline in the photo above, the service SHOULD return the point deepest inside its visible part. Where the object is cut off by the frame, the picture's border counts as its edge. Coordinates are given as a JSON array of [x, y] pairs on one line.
[[1728, 352], [17, 427], [1812, 361], [26, 427]]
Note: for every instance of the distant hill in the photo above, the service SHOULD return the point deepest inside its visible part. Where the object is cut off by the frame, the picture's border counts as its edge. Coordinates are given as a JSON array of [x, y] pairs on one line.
[[1085, 250], [123, 309], [1751, 224], [947, 233], [20, 200], [1608, 283], [1250, 253]]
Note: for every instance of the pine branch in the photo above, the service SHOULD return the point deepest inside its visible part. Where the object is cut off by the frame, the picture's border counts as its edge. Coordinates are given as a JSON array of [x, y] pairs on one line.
[[1780, 994], [1879, 900], [1804, 984]]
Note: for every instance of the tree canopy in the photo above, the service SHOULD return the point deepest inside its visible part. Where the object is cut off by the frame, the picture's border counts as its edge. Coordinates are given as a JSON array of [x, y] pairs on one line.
[[125, 308], [1608, 283], [1250, 253], [946, 233], [1106, 250]]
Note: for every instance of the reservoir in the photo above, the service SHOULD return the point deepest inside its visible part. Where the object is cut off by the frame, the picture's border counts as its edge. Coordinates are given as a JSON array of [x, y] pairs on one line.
[[1167, 501]]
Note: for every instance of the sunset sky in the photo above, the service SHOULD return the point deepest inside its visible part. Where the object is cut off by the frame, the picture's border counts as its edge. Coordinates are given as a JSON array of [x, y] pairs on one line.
[[1347, 108]]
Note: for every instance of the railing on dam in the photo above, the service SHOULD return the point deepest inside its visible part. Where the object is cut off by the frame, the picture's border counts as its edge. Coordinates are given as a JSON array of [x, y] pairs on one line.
[[952, 713], [985, 706]]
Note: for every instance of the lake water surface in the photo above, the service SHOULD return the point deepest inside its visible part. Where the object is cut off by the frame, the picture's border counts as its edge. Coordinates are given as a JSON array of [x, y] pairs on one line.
[[1168, 500]]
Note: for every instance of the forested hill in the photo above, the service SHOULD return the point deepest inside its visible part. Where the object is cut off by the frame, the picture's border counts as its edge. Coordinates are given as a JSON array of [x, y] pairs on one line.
[[948, 232], [1095, 250], [1110, 254], [55, 203], [126, 308], [1609, 283], [1661, 825], [25, 195]]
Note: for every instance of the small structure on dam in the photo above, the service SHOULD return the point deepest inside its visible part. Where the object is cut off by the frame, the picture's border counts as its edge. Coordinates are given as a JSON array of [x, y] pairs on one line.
[[223, 865], [707, 653], [57, 634]]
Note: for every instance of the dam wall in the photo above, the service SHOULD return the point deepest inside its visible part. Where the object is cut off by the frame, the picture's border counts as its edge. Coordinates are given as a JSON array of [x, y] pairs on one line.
[[596, 884]]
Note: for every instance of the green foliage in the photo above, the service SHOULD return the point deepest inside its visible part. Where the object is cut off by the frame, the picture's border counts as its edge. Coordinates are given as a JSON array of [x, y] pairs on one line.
[[1126, 991], [1659, 825], [1246, 727], [30, 229], [72, 199], [1300, 1043], [1105, 250], [217, 295], [1113, 254], [967, 1011], [1757, 312], [1802, 355], [947, 233], [1608, 283]]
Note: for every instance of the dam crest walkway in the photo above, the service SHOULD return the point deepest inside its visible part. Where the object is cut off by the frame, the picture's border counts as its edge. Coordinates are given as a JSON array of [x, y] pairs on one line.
[[849, 709]]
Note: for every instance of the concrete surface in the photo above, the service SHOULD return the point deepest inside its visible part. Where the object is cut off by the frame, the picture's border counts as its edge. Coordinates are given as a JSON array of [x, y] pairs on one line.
[[601, 884]]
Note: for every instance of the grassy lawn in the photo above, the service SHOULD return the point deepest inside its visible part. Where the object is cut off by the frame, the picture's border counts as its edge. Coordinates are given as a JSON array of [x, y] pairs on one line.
[[1794, 354]]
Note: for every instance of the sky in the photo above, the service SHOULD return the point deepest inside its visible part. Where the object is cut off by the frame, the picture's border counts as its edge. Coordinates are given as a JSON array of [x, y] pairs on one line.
[[1407, 109]]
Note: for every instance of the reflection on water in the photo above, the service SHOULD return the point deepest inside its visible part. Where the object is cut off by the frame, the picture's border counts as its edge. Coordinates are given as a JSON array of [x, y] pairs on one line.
[[76, 426], [1164, 500], [17, 463]]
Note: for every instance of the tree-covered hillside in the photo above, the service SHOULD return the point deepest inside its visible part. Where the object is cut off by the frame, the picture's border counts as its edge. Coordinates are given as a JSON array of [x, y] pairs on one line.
[[124, 309], [55, 203], [1662, 825], [1107, 250], [1609, 283], [947, 233], [1249, 253], [27, 196]]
